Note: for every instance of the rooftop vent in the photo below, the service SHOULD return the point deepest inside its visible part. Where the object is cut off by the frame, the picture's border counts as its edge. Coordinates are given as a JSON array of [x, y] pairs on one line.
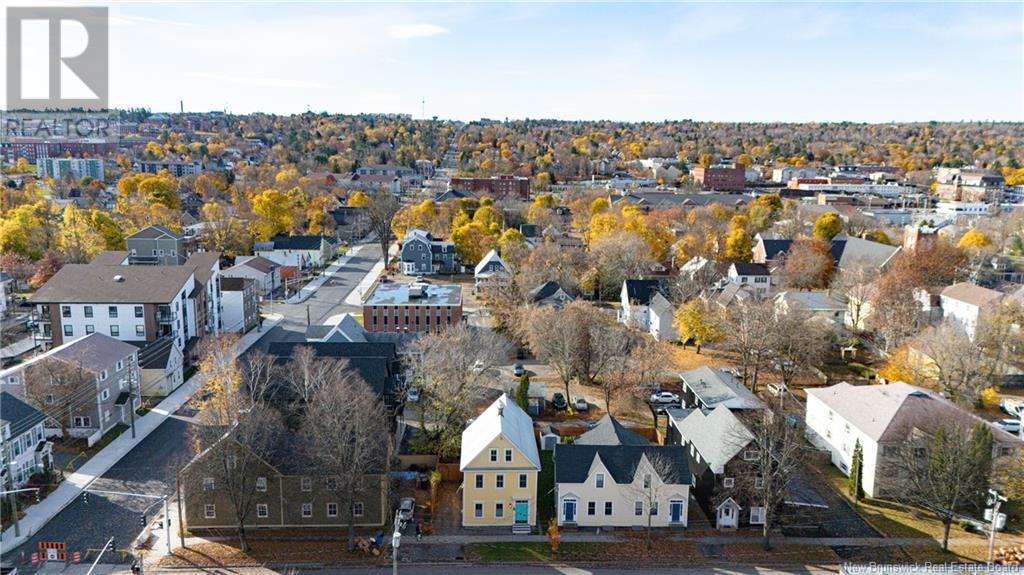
[[119, 278]]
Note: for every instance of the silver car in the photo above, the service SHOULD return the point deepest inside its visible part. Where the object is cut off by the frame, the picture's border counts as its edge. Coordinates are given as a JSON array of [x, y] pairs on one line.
[[580, 403], [406, 507]]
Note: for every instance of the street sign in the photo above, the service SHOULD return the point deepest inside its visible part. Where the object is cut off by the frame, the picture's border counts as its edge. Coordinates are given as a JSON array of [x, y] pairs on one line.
[[53, 550]]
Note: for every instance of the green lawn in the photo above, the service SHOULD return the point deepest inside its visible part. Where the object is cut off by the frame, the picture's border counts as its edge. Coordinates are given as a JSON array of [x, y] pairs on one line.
[[545, 490]]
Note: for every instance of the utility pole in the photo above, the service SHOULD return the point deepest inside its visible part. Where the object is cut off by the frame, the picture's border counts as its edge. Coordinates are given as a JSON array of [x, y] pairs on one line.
[[396, 540], [131, 399], [997, 501], [12, 497]]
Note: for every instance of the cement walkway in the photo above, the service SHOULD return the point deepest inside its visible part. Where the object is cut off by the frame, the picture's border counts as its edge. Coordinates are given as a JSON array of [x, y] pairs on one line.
[[309, 289], [355, 297], [39, 514]]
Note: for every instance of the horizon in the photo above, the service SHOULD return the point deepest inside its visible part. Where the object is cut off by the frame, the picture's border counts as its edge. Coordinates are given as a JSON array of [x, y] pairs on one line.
[[754, 62]]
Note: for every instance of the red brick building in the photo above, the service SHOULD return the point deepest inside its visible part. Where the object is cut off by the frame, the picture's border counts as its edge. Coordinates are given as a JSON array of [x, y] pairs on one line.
[[401, 307], [497, 187], [725, 178]]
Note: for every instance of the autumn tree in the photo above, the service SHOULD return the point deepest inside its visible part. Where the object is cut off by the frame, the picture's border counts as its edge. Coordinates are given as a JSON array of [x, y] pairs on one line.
[[808, 265], [614, 259], [699, 322], [827, 226], [748, 331], [223, 231], [357, 200], [738, 246], [273, 214], [974, 239]]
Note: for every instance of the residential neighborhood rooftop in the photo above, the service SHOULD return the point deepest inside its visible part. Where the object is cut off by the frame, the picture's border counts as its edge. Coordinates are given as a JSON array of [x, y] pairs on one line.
[[396, 293]]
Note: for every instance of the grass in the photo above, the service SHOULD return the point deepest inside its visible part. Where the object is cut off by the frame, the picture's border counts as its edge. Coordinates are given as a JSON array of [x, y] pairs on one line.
[[975, 552], [109, 436], [261, 552], [890, 518], [749, 552], [626, 550], [546, 489]]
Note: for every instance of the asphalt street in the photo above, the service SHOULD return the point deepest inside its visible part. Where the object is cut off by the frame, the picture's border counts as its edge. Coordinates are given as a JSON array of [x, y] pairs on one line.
[[447, 569], [152, 466]]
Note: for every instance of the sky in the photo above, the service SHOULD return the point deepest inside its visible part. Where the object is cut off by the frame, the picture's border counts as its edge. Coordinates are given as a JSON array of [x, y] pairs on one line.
[[724, 61]]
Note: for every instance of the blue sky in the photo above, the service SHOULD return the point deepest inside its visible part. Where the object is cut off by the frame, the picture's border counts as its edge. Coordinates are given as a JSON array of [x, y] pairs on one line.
[[749, 61]]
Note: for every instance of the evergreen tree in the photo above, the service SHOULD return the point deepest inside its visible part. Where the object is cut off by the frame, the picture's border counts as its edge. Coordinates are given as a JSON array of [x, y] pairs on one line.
[[523, 391], [855, 483]]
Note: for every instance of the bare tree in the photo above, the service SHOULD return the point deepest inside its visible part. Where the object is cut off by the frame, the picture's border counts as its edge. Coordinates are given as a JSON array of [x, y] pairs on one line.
[[748, 333], [946, 470], [258, 373], [233, 457], [653, 480], [347, 438], [635, 371], [808, 265], [549, 262], [773, 449], [956, 365], [62, 389], [797, 341], [855, 282], [307, 373], [616, 258], [380, 210], [452, 367]]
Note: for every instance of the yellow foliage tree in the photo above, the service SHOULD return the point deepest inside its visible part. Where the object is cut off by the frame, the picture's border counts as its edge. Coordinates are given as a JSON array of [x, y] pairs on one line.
[[358, 200], [738, 246], [696, 321], [974, 239], [827, 226], [273, 212]]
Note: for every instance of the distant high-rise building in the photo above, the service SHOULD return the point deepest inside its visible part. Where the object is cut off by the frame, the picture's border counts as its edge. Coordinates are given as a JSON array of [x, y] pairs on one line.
[[58, 168]]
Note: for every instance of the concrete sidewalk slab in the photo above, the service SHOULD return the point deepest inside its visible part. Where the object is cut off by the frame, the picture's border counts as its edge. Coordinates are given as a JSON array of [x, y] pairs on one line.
[[39, 514], [309, 289]]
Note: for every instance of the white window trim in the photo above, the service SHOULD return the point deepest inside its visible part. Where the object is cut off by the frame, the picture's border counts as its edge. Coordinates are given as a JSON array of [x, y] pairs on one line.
[[728, 482], [210, 511], [307, 507], [328, 509], [262, 511]]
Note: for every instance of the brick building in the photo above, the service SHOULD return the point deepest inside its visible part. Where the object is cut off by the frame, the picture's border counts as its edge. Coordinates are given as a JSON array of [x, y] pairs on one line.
[[727, 177], [497, 187], [400, 307]]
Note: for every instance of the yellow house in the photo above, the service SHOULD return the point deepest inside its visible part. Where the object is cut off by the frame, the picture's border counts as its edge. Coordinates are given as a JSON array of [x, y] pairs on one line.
[[500, 465]]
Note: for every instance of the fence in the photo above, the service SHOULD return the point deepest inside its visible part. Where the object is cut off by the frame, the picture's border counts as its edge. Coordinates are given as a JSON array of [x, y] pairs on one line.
[[449, 471]]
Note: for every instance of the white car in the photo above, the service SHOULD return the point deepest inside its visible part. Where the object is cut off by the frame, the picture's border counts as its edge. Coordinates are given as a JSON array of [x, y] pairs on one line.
[[777, 389], [664, 397], [580, 403], [1012, 406], [478, 366], [413, 395], [1008, 425]]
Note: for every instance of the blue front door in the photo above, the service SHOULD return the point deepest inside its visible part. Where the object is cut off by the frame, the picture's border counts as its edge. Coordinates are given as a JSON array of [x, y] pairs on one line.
[[675, 511], [569, 511], [522, 511]]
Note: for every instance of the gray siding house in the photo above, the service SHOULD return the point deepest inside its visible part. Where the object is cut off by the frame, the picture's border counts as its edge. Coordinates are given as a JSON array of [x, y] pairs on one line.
[[156, 245], [422, 254]]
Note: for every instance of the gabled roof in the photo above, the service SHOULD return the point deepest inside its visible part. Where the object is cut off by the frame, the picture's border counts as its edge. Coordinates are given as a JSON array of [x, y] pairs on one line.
[[491, 257], [749, 269], [99, 284], [885, 412], [154, 232], [155, 354], [94, 352], [204, 263], [501, 418], [20, 415], [717, 434], [375, 362], [298, 242], [811, 300], [716, 387], [346, 330], [660, 305], [574, 462], [641, 291], [258, 263], [773, 248], [971, 294], [546, 290], [609, 431], [110, 258], [850, 251]]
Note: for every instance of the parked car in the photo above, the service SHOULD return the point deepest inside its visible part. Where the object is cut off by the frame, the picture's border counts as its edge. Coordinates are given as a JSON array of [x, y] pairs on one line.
[[478, 366], [777, 389], [664, 397], [413, 395], [580, 403], [1013, 407], [406, 507], [558, 401], [419, 279], [518, 370], [1010, 425]]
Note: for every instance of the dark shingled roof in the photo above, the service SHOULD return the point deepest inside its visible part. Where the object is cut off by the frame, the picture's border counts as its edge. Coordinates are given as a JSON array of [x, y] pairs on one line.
[[772, 248], [259, 263], [610, 432], [544, 291], [641, 291], [155, 231], [749, 269], [92, 283], [573, 462], [154, 355], [375, 362], [20, 415], [298, 242]]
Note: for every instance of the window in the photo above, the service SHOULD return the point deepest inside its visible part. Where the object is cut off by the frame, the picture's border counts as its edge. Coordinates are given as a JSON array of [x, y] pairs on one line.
[[120, 365], [499, 510], [591, 508], [332, 483], [261, 484], [607, 507], [1005, 451], [478, 509], [758, 482], [647, 481], [499, 481], [69, 331], [138, 311], [332, 509], [89, 328], [307, 509], [262, 511], [920, 452], [82, 421], [140, 330], [494, 455], [104, 375], [654, 509], [210, 511], [307, 483], [357, 509], [890, 450], [750, 455], [105, 395], [524, 478], [508, 456], [65, 311], [600, 480], [638, 508], [757, 515], [728, 482], [115, 331], [479, 480], [112, 311], [87, 310]]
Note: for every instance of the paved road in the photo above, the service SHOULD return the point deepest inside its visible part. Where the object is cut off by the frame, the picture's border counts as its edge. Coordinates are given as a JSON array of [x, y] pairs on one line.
[[149, 468], [328, 301], [473, 569]]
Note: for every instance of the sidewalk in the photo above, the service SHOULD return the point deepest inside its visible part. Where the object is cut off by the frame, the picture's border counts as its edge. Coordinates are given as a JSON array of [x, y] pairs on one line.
[[309, 289], [39, 514], [355, 297]]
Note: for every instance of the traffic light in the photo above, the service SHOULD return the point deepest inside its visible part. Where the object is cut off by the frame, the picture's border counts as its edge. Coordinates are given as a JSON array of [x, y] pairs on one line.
[[113, 545], [85, 497], [142, 519], [37, 496]]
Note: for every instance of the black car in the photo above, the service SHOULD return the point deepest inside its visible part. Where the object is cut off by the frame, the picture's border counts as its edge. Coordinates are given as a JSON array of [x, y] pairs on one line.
[[558, 401]]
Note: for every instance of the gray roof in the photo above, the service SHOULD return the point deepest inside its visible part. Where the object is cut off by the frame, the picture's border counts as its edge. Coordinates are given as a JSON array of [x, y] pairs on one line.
[[812, 300], [717, 434], [153, 232], [394, 293], [714, 387], [204, 263], [866, 252], [110, 257], [610, 432], [94, 352], [95, 283], [20, 415], [573, 462], [971, 293]]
